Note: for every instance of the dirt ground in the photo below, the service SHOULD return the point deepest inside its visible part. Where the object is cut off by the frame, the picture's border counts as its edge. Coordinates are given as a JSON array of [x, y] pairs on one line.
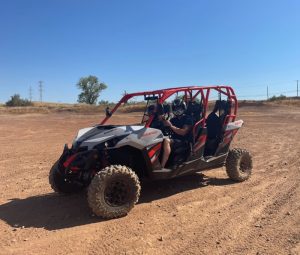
[[199, 214]]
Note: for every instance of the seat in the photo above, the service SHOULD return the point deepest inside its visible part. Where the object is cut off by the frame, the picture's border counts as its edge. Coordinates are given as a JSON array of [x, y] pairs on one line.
[[194, 109], [226, 106], [214, 125]]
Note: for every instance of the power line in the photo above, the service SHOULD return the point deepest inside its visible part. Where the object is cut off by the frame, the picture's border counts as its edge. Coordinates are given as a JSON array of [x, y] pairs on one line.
[[263, 95], [41, 90], [30, 93], [269, 92]]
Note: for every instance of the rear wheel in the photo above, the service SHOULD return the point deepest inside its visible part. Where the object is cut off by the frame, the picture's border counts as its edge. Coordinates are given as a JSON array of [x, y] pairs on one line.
[[239, 165], [59, 183], [114, 191]]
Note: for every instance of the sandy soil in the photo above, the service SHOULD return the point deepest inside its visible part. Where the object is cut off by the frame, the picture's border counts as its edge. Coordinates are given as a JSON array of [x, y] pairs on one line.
[[199, 214]]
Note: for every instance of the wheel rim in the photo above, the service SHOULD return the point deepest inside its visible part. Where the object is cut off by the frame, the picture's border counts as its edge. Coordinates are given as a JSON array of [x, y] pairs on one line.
[[245, 165], [116, 193]]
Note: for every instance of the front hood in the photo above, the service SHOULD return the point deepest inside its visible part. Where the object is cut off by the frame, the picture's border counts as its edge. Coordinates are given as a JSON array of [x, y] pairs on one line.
[[136, 136]]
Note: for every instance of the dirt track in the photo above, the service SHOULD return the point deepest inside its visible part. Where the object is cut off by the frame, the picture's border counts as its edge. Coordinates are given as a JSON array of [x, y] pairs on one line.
[[191, 215]]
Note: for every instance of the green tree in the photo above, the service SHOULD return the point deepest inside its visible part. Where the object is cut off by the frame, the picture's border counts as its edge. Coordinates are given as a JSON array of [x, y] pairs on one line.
[[91, 89]]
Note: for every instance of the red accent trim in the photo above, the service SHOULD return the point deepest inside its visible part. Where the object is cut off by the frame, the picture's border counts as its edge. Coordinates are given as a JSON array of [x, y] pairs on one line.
[[202, 138], [234, 132], [153, 150], [69, 160], [74, 168], [227, 140], [201, 141], [200, 122], [154, 158], [228, 135]]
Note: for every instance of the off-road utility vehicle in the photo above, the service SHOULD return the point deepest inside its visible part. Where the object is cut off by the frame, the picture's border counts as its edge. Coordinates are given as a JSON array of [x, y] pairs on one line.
[[110, 160]]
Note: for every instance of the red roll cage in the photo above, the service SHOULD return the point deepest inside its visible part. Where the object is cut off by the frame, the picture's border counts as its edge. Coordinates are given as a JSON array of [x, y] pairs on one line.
[[191, 93]]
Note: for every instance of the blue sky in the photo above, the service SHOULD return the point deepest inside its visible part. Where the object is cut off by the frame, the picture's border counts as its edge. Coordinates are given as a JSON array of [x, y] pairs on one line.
[[141, 45]]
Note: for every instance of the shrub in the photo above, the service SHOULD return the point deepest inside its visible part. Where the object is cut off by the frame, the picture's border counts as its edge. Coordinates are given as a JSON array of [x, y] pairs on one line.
[[104, 102], [16, 100], [275, 98]]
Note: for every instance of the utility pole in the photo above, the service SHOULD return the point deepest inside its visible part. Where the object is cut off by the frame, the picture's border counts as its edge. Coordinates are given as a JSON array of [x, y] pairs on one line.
[[297, 87], [30, 94], [41, 90], [267, 92]]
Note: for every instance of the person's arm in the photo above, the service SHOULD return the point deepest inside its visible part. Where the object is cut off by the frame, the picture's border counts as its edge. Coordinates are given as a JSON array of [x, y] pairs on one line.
[[179, 131]]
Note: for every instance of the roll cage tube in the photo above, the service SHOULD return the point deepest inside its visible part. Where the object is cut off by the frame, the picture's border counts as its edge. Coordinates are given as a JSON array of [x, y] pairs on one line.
[[164, 94]]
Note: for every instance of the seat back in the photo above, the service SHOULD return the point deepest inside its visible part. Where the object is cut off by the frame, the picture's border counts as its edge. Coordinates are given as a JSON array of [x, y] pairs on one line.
[[226, 107], [194, 109]]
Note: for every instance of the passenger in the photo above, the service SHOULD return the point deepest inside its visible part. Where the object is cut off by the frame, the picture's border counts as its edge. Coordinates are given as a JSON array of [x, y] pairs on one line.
[[157, 122], [215, 119], [214, 124], [181, 125]]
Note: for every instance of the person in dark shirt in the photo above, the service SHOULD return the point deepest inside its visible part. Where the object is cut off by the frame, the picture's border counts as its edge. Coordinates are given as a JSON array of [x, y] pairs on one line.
[[214, 124], [215, 119], [156, 111], [180, 126]]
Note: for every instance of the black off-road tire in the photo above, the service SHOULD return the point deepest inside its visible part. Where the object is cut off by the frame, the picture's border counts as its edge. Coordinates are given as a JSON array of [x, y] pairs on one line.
[[114, 191], [59, 184], [239, 165]]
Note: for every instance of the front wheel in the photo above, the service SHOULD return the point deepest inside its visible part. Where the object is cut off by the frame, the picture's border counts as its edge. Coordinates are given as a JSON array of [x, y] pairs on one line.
[[114, 191], [239, 165]]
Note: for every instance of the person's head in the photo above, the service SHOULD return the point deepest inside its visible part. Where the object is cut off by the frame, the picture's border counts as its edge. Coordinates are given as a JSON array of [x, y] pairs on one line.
[[156, 110], [178, 107], [220, 106], [151, 110]]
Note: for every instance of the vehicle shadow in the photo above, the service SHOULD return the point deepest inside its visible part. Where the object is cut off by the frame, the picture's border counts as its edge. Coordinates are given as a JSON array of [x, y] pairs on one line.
[[156, 190], [52, 211]]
